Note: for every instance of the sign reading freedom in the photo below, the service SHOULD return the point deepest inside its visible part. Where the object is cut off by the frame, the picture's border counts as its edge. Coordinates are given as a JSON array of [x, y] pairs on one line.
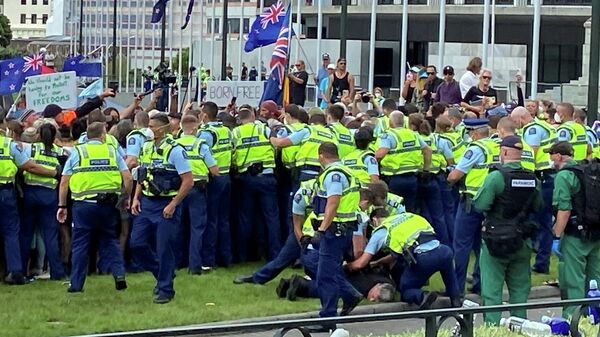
[[58, 88], [247, 92]]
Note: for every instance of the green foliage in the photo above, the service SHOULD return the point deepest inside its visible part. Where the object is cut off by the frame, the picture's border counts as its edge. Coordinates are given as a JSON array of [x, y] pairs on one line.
[[184, 66], [8, 53], [5, 32]]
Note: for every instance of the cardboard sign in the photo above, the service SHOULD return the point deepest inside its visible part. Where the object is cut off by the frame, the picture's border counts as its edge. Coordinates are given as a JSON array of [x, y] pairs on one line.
[[246, 92], [57, 88]]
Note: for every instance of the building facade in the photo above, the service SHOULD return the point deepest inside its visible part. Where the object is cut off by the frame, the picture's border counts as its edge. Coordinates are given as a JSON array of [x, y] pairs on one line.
[[27, 17]]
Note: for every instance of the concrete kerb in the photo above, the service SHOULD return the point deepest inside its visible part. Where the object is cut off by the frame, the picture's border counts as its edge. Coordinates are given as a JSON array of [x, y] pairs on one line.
[[380, 308]]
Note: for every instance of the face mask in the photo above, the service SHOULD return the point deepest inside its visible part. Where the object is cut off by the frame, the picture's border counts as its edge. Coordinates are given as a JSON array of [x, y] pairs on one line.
[[557, 118], [377, 95], [149, 133]]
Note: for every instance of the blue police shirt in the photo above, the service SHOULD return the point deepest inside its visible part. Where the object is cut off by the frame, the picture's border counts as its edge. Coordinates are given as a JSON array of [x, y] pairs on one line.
[[372, 165], [535, 135], [209, 160], [19, 153], [445, 147], [472, 156], [335, 182], [299, 204], [73, 161], [207, 135], [376, 242], [135, 143], [299, 136], [83, 139], [592, 138]]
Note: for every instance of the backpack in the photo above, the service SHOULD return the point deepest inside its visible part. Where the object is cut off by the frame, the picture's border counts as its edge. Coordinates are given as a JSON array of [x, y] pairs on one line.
[[587, 202]]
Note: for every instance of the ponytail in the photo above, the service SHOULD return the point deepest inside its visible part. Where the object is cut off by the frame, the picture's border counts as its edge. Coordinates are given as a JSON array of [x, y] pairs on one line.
[[47, 136]]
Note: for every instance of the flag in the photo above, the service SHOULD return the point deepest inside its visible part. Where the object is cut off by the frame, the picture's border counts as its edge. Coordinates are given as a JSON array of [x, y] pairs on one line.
[[189, 14], [265, 29], [159, 10], [84, 67], [274, 85], [13, 72], [92, 90], [48, 70]]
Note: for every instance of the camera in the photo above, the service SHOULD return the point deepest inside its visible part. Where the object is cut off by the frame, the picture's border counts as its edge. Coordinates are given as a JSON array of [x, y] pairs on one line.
[[365, 97]]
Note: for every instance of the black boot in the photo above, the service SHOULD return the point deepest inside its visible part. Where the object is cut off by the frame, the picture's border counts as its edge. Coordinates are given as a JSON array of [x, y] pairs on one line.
[[298, 287], [282, 288]]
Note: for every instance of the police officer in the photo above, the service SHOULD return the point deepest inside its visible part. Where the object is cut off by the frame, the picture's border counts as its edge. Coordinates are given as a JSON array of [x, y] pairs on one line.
[[579, 247], [506, 128], [335, 203], [164, 181], [136, 139], [194, 204], [345, 140], [98, 116], [473, 166], [402, 154], [96, 176], [254, 159], [40, 200], [508, 196], [362, 161], [572, 132], [12, 158], [218, 234], [540, 135], [412, 242], [580, 118]]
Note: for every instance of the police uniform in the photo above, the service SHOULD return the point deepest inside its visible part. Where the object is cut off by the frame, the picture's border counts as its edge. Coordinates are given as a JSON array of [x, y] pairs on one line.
[[592, 138], [307, 158], [163, 165], [110, 140], [95, 170], [40, 199], [135, 140], [580, 254], [218, 234], [575, 134], [542, 135], [194, 204], [254, 159], [12, 156], [475, 163], [344, 139], [337, 239], [508, 196], [363, 165], [448, 150], [412, 241], [400, 165]]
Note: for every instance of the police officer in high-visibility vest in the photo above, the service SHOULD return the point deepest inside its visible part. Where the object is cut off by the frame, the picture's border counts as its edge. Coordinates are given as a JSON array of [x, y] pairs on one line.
[[254, 159], [96, 176], [362, 161], [401, 155], [194, 205], [41, 199], [506, 128], [473, 166], [98, 116], [509, 195], [580, 118], [345, 140], [412, 242], [335, 203], [217, 237], [136, 139], [540, 135], [308, 138], [572, 132], [12, 158], [164, 180]]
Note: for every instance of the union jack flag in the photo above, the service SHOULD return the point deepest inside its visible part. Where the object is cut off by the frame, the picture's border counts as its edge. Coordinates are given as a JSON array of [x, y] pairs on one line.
[[34, 62], [271, 14], [274, 85]]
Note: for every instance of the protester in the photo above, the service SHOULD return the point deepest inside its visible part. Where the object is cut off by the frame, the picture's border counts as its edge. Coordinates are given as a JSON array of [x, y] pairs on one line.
[[298, 80], [471, 77]]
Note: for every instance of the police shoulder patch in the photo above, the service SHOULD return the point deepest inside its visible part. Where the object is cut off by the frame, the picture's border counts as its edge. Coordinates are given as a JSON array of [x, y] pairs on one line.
[[532, 131], [336, 178], [373, 161], [131, 141], [563, 133], [468, 154], [297, 198]]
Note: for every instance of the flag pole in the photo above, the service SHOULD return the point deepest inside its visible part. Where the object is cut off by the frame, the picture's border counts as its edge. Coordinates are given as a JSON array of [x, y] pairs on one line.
[[97, 36], [180, 65], [80, 27], [191, 57], [486, 32], [319, 37], [493, 34], [241, 39], [114, 47], [372, 45], [128, 48], [442, 35], [535, 51], [212, 39], [120, 44], [298, 29], [259, 68], [403, 45], [224, 37], [171, 32], [136, 49]]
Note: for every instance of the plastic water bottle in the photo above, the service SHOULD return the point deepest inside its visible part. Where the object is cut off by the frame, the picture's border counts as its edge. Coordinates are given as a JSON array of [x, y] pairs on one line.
[[340, 333], [593, 310], [466, 304], [558, 325], [526, 327]]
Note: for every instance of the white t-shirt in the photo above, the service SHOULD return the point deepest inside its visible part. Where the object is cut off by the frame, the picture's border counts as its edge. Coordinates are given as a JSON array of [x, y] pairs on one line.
[[468, 80]]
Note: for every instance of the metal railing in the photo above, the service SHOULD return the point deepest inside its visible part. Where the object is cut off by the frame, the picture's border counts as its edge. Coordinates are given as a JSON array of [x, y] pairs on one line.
[[433, 321]]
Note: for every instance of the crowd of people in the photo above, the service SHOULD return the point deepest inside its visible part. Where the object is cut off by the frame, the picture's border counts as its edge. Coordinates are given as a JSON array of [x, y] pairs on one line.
[[371, 203]]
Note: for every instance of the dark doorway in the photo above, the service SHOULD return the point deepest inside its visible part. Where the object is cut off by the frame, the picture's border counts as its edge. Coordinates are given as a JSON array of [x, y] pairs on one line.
[[384, 65]]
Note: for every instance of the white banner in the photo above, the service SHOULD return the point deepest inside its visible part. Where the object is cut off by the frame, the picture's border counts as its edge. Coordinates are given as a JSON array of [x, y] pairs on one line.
[[246, 92], [58, 88]]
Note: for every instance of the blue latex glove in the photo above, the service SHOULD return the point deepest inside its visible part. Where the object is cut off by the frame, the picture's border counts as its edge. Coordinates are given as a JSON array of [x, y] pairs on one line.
[[555, 250]]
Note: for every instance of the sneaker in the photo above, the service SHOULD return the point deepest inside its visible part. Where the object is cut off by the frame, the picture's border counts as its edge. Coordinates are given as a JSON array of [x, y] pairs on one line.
[[428, 300], [295, 284], [206, 269], [282, 288], [120, 283], [162, 299], [243, 279], [15, 279], [44, 276]]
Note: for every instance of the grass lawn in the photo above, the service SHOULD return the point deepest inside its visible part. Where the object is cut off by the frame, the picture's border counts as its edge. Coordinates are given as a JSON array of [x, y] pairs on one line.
[[44, 308]]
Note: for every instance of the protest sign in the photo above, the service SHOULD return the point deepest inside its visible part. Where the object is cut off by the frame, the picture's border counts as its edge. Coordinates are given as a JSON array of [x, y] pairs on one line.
[[247, 92], [57, 88]]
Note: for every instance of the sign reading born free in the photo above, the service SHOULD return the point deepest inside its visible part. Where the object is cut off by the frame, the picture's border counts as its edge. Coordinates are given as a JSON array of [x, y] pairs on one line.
[[247, 92], [57, 88]]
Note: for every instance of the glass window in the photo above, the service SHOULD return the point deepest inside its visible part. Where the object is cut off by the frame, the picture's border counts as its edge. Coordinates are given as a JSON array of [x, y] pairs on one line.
[[209, 26], [23, 18], [246, 26], [34, 19], [45, 2], [34, 2], [23, 2], [44, 18], [233, 26]]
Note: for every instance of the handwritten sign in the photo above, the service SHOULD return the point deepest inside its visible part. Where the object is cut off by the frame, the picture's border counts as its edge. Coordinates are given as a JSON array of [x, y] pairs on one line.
[[247, 92], [58, 88]]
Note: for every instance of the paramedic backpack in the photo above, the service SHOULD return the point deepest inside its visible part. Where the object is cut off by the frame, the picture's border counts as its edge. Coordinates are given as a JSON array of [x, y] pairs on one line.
[[587, 202]]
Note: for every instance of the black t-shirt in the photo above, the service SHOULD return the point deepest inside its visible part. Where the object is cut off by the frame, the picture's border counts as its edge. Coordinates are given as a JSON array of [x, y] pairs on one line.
[[364, 280], [298, 91], [475, 94]]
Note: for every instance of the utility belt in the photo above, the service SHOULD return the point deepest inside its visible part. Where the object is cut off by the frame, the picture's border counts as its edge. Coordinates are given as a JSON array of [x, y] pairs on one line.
[[201, 184], [425, 177], [162, 182], [543, 175], [408, 253], [254, 169], [111, 199], [581, 231], [468, 201], [7, 186], [337, 228]]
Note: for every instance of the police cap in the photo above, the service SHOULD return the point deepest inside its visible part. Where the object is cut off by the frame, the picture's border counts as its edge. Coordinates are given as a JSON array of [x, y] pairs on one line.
[[475, 123], [513, 142], [564, 148]]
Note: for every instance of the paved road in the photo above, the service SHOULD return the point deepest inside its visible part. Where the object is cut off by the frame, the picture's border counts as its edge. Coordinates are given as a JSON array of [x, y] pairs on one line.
[[395, 327]]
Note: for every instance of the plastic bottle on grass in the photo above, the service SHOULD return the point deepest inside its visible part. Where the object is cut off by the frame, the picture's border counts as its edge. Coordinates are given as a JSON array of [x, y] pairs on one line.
[[593, 314], [558, 325], [526, 327], [340, 333], [466, 304]]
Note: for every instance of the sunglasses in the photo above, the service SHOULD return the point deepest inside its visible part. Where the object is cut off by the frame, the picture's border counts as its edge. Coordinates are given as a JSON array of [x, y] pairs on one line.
[[297, 65], [486, 77], [449, 74], [430, 73]]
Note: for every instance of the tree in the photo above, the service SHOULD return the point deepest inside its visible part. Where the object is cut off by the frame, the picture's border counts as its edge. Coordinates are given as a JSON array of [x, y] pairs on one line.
[[5, 32], [184, 65]]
